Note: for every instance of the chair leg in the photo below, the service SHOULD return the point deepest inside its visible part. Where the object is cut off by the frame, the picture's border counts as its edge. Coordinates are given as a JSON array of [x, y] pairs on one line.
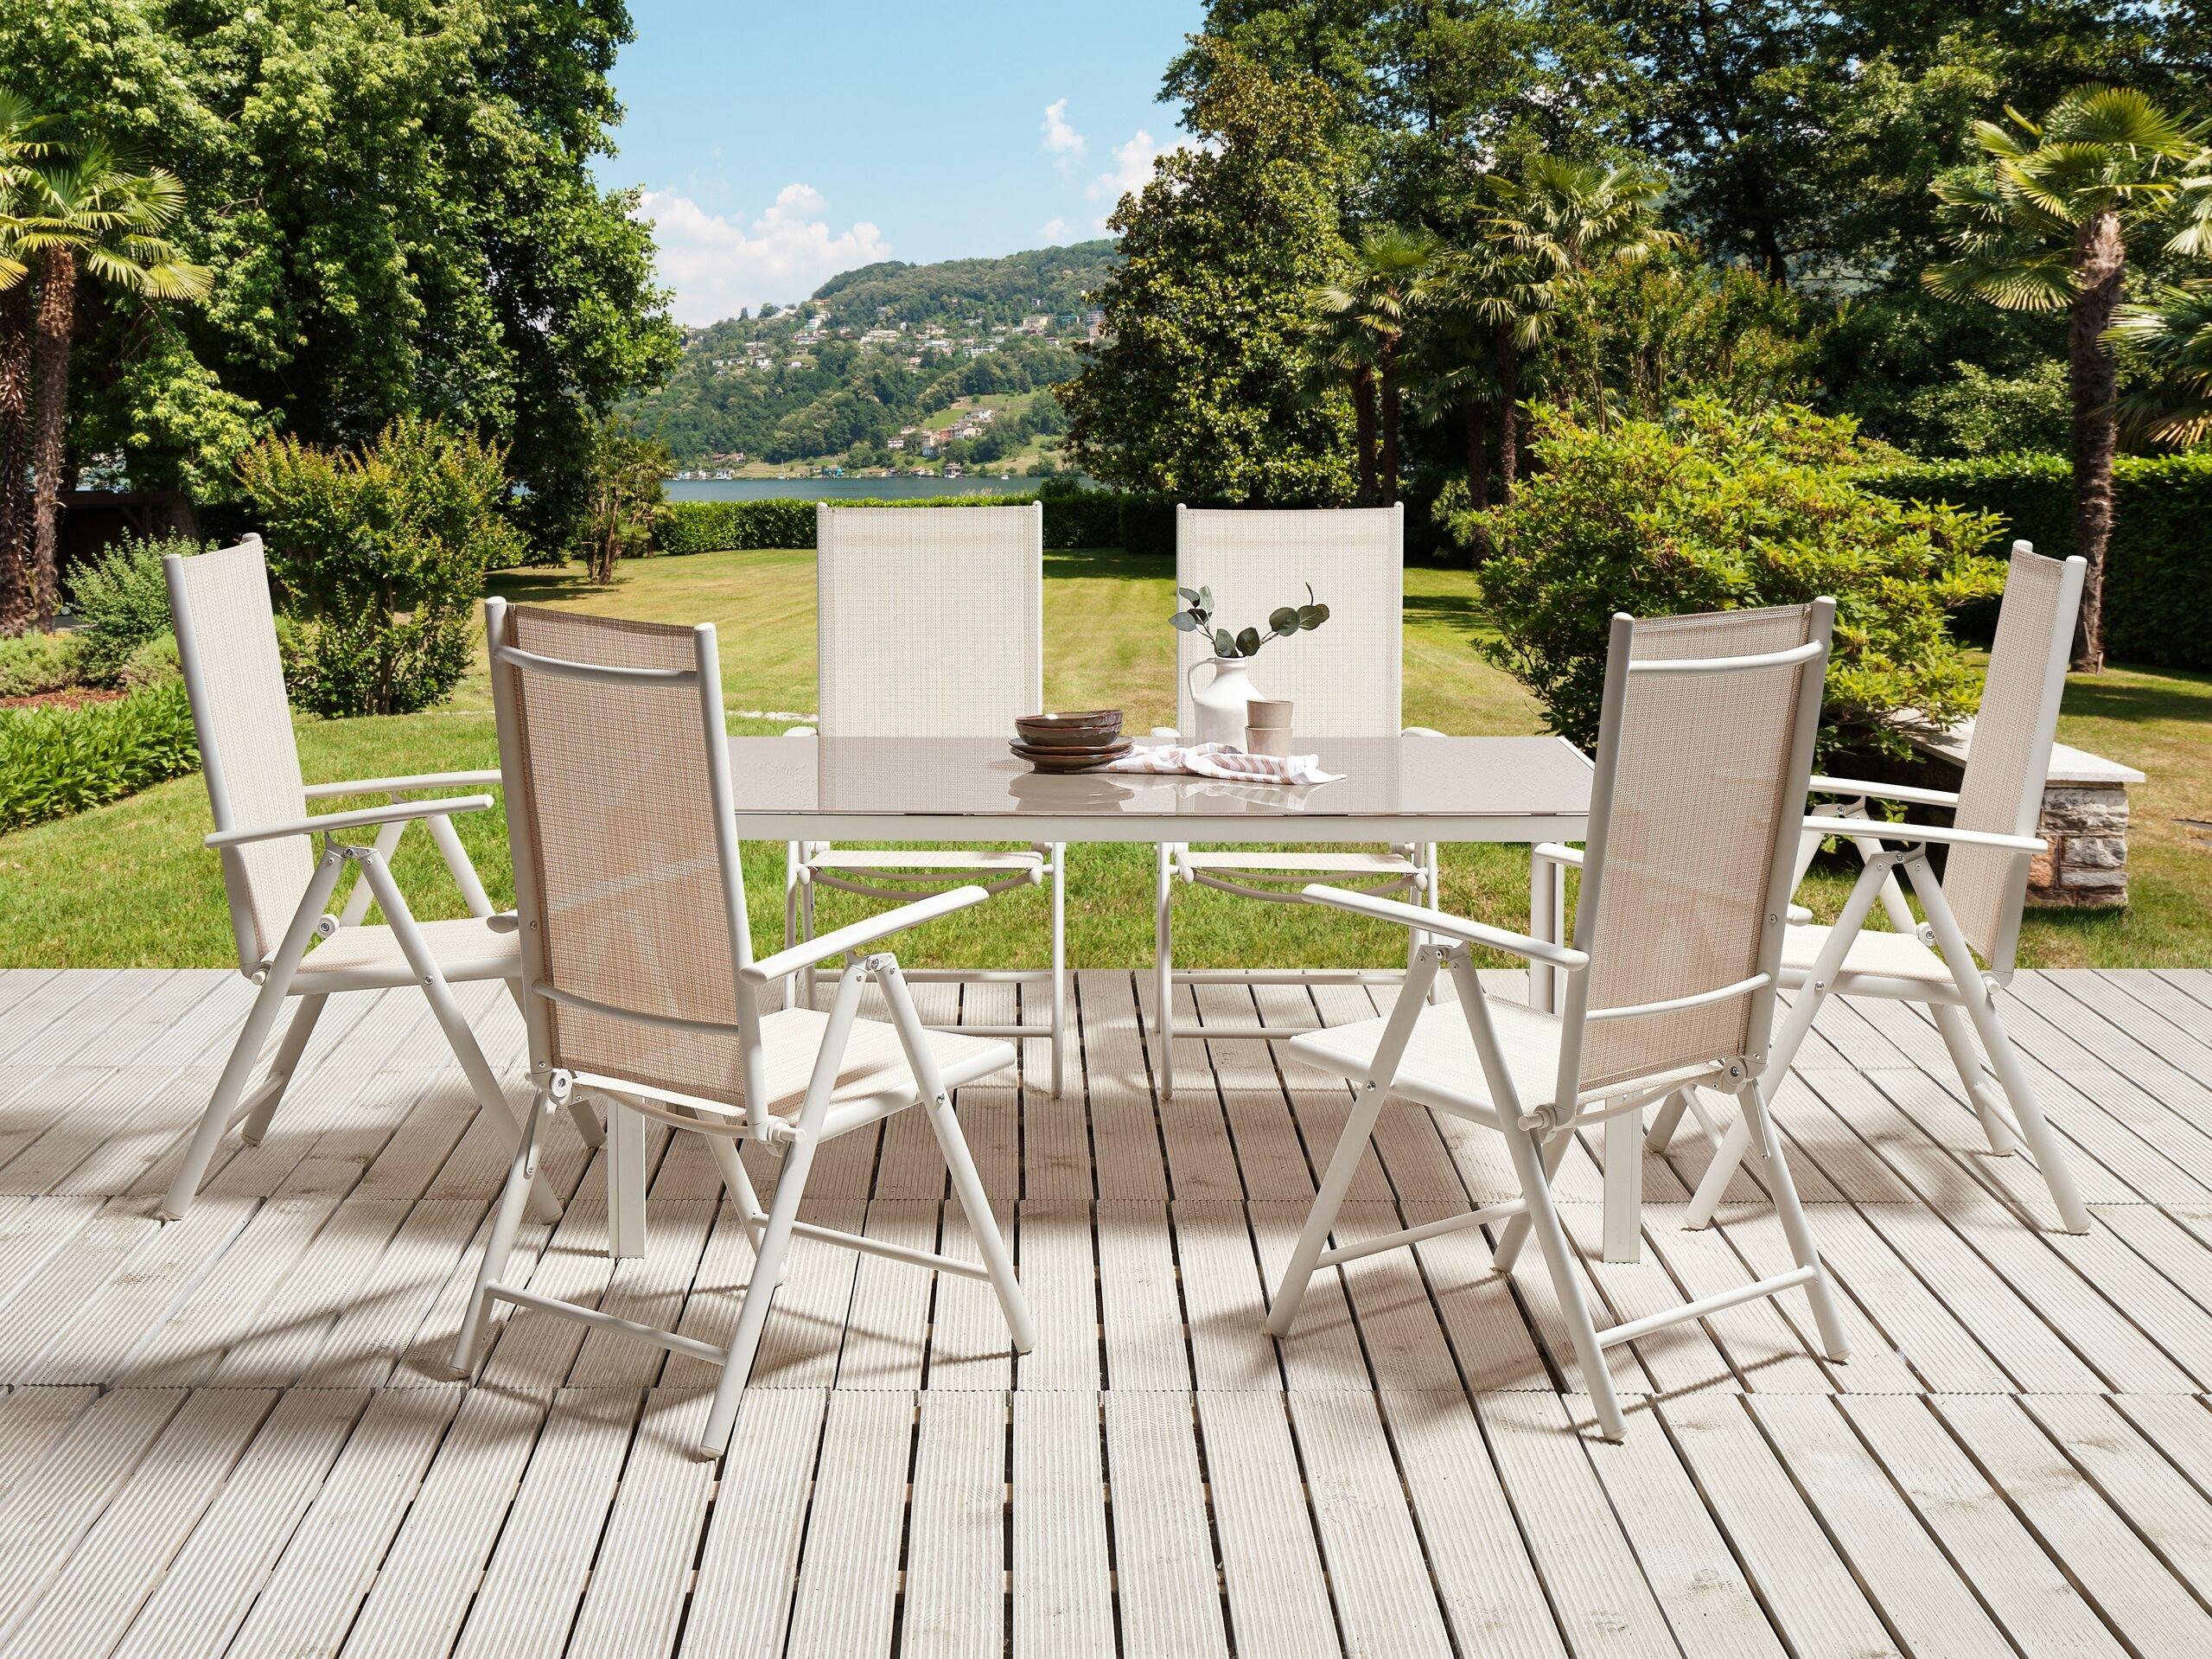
[[1514, 1233], [1433, 861], [1343, 1165], [246, 1053], [522, 1172], [791, 855], [805, 931], [967, 1185], [1058, 969], [1163, 969], [297, 1033], [490, 1097], [1665, 1121], [2027, 1112], [1776, 1166], [1726, 1156], [1559, 1256], [1958, 1038]]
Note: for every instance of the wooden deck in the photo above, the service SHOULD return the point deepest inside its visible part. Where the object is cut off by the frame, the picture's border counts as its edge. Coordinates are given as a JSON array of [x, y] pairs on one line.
[[234, 1434]]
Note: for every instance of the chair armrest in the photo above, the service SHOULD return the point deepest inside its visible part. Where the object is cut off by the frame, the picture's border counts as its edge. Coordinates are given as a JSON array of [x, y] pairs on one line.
[[808, 952], [322, 823], [504, 921], [1874, 828], [1905, 792], [1451, 926], [1420, 731], [800, 731], [403, 786], [1553, 852]]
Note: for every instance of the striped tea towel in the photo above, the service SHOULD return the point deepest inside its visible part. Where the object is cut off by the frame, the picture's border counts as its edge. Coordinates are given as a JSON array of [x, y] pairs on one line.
[[1226, 760]]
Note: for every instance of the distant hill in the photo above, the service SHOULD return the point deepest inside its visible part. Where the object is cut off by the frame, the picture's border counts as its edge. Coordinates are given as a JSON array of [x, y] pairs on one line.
[[886, 348]]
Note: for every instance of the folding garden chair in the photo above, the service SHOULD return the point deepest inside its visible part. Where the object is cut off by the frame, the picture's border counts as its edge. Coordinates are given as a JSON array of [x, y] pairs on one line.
[[1972, 910], [1346, 682], [278, 888], [638, 977], [931, 624], [1705, 745]]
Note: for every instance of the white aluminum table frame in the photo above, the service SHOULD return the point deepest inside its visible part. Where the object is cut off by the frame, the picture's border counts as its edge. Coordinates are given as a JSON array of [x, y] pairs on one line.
[[876, 790]]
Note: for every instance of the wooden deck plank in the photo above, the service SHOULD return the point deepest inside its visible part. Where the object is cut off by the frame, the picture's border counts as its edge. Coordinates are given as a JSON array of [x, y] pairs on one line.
[[1271, 1565], [849, 1574], [956, 1549], [1063, 1593], [1167, 1589], [641, 1578], [1140, 1298], [1124, 1130]]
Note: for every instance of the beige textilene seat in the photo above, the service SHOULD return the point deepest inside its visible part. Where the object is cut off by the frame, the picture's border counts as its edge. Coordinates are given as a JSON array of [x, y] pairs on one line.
[[930, 623], [1346, 680], [1703, 753], [226, 645], [639, 984], [1975, 910]]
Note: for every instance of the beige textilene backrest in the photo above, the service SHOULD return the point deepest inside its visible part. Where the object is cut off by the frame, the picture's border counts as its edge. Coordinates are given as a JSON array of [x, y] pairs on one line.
[[1348, 679], [2010, 756], [1698, 792], [619, 883], [930, 620], [226, 642]]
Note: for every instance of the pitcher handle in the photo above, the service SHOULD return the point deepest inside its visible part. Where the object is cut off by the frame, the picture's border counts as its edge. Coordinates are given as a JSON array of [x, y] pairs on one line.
[[1203, 662]]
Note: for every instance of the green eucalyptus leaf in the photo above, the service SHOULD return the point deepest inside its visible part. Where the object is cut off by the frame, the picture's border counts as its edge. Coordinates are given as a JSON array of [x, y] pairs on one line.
[[1225, 643], [1311, 617], [1248, 642], [1187, 593], [1183, 621], [1284, 621], [1206, 598]]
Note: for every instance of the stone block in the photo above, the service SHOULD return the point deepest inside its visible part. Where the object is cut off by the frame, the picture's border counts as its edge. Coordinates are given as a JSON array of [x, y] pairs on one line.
[[2090, 878], [2096, 853]]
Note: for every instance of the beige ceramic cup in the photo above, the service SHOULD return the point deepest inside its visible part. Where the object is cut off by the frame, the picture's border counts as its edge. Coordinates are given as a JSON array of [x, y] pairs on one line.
[[1267, 726]]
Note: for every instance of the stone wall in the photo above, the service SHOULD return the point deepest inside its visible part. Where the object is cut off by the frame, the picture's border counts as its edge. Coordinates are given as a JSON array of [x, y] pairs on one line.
[[2084, 818]]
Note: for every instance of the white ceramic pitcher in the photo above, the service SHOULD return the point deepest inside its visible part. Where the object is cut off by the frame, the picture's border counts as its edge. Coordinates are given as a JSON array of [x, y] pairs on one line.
[[1218, 707]]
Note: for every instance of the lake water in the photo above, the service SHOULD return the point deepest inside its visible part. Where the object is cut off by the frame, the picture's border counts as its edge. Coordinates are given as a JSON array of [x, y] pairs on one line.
[[838, 489]]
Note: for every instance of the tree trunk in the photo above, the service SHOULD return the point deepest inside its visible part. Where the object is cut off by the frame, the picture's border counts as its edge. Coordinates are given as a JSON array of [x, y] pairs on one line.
[[1474, 416], [14, 458], [2099, 259], [55, 317], [1773, 264], [1508, 414], [1390, 400], [1363, 428]]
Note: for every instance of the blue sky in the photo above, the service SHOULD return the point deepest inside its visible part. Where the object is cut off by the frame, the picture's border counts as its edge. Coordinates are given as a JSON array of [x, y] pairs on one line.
[[781, 144]]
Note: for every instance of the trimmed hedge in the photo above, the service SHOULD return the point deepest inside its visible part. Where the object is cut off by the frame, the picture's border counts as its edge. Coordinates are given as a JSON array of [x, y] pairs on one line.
[[1091, 518], [2158, 569], [59, 760]]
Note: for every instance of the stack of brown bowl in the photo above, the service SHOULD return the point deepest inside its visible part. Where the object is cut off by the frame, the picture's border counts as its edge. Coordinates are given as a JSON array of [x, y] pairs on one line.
[[1070, 742]]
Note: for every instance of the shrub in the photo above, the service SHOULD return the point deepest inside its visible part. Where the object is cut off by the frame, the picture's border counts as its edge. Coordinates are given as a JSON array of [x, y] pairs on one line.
[[33, 663], [55, 762], [382, 555], [1073, 518], [1717, 510], [122, 597], [154, 663], [2158, 569]]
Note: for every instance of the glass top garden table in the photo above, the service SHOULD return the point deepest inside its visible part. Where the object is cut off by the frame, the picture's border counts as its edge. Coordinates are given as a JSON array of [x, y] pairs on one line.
[[1395, 789]]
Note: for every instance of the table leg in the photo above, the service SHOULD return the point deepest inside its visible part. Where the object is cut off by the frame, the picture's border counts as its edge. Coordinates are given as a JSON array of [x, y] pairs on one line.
[[1547, 909], [625, 1180], [1624, 1187]]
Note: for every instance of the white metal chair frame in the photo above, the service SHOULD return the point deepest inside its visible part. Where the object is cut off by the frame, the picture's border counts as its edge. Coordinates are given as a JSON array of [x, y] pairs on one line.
[[1963, 1004], [898, 875], [1277, 878], [1538, 1131], [720, 1122], [273, 963]]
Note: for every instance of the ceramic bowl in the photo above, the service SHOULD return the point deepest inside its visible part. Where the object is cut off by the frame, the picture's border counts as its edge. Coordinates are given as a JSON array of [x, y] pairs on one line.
[[1085, 729]]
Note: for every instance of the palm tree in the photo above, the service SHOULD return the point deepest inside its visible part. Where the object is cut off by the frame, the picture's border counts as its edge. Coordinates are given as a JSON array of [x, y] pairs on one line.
[[2168, 338], [1370, 308], [1553, 225], [2039, 225], [89, 214], [19, 146], [1467, 295]]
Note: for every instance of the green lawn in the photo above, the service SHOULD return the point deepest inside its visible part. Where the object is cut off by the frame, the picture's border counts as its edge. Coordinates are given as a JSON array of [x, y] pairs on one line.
[[129, 884]]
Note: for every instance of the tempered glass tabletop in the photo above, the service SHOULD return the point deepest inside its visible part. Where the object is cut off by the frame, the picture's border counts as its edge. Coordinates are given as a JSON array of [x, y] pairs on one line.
[[1453, 788]]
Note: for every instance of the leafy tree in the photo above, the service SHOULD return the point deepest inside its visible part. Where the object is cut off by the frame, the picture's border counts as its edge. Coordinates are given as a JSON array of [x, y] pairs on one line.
[[2041, 225], [623, 501], [21, 144], [1199, 390]]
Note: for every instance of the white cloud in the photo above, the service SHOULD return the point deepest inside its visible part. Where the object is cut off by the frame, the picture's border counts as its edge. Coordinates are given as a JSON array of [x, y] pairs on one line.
[[716, 265], [1065, 144], [1055, 232], [1131, 170]]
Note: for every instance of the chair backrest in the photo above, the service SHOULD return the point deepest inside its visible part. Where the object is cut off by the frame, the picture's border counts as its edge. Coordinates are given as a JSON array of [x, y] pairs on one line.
[[630, 893], [930, 620], [1348, 680], [2009, 758], [234, 676], [1704, 751]]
